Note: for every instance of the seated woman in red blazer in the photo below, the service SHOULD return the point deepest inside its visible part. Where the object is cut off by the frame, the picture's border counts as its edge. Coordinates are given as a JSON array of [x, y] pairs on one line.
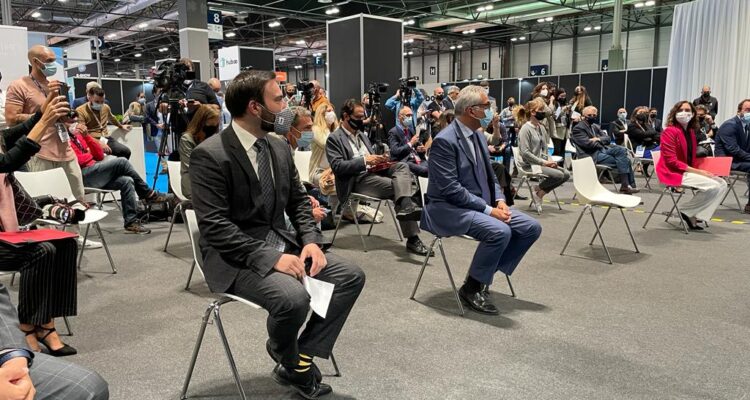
[[676, 165]]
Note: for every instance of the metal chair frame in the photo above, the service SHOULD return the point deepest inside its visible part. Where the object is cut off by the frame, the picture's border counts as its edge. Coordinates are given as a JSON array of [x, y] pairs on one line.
[[350, 205]]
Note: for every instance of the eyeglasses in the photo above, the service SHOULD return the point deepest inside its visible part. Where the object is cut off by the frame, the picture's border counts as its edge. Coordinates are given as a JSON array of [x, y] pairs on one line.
[[484, 105]]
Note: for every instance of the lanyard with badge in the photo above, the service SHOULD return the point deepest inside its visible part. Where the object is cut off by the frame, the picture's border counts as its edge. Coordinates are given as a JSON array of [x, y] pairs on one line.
[[62, 130]]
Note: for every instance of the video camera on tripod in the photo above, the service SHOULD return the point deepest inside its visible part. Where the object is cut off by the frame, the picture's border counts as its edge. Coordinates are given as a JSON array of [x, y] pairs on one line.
[[376, 132], [406, 89], [306, 88]]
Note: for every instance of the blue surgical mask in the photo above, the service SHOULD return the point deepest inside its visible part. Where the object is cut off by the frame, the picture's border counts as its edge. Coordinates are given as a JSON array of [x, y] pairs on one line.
[[409, 124], [746, 117], [304, 141], [489, 113], [50, 68], [96, 106], [623, 116]]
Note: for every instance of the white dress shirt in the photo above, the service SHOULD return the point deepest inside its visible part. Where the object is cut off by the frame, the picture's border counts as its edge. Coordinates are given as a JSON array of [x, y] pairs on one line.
[[247, 140]]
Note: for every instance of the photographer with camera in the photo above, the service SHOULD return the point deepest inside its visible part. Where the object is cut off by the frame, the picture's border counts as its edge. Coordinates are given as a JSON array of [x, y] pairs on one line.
[[407, 95], [96, 115], [25, 97], [405, 144]]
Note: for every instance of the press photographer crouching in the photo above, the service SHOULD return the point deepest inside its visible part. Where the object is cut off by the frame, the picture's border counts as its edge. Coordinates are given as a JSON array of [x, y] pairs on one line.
[[113, 174], [48, 284]]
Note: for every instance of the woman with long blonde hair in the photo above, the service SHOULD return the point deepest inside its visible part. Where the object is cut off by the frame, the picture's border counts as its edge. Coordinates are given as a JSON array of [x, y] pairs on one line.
[[324, 123]]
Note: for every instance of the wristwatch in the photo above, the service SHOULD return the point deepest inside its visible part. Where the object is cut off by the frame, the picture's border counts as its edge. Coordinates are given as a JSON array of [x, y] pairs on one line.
[[5, 357]]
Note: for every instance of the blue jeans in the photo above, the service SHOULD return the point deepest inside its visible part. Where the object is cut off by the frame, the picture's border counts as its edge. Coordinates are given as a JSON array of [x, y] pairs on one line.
[[118, 174], [617, 157]]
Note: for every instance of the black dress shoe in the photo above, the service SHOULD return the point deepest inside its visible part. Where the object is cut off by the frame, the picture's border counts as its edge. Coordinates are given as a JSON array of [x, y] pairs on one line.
[[690, 224], [486, 291], [478, 302], [417, 247], [303, 383], [314, 368], [409, 213]]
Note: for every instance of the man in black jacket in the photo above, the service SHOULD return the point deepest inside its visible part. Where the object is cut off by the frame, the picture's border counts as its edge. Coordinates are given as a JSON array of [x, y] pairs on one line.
[[588, 137], [707, 100], [351, 157], [243, 182]]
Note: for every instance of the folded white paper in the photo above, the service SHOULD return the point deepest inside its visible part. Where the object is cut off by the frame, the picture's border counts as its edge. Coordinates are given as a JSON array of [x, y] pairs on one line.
[[320, 294]]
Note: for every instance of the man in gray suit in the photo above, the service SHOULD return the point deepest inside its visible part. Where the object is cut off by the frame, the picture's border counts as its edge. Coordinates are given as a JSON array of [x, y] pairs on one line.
[[24, 374], [243, 182]]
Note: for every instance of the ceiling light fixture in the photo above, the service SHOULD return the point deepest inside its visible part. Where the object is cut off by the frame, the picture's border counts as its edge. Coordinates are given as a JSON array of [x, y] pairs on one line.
[[143, 25], [460, 46], [325, 1], [540, 20], [522, 38], [274, 24], [549, 19], [409, 22], [137, 55], [488, 7], [111, 35], [231, 34], [513, 39], [300, 42], [317, 54], [597, 28], [117, 60], [469, 31], [118, 73], [411, 53], [404, 53], [163, 49], [453, 47], [639, 5], [297, 67], [36, 14], [587, 28], [650, 3], [409, 41], [332, 11]]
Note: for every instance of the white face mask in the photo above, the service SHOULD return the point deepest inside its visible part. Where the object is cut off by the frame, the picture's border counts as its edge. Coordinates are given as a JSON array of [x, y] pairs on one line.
[[683, 117], [330, 117], [543, 93]]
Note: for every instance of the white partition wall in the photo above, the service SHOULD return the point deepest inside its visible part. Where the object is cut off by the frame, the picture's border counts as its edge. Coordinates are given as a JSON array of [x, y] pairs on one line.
[[709, 46], [13, 63]]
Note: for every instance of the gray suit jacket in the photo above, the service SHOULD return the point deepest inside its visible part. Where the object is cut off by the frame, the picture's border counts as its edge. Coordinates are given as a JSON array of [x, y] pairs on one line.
[[233, 223], [11, 336], [346, 168]]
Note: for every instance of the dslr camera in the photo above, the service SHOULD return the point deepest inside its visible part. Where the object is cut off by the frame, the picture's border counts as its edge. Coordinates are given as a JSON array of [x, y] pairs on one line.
[[374, 89], [406, 89], [171, 77], [306, 88]]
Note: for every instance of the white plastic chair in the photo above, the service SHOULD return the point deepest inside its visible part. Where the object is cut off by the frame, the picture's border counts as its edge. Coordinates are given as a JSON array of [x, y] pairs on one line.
[[592, 194], [175, 182], [54, 182], [302, 162], [672, 190], [213, 312], [423, 182], [526, 178], [100, 195]]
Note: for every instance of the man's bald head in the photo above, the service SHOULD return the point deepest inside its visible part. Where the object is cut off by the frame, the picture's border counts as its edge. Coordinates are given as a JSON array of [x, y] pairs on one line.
[[42, 53], [590, 110], [215, 84]]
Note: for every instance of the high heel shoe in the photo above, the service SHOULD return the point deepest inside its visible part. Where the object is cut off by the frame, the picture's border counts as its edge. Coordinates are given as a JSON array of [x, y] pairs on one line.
[[29, 333], [690, 224], [62, 351]]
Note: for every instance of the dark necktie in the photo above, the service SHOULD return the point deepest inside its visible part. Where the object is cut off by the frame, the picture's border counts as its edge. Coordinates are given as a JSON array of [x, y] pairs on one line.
[[268, 192], [480, 169]]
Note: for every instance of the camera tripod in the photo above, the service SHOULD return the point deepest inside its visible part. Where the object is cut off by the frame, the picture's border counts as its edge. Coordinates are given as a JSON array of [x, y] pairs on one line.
[[174, 110]]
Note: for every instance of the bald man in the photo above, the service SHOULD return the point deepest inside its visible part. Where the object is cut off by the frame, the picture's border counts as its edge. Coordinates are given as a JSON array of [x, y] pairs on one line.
[[708, 101], [405, 144], [25, 97]]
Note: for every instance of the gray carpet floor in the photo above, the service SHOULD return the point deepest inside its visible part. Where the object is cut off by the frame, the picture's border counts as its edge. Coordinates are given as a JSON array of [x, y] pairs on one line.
[[671, 322]]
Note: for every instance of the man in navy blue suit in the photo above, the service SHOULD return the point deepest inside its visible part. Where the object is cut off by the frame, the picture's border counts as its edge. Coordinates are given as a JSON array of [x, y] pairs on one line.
[[464, 198], [405, 144], [733, 141]]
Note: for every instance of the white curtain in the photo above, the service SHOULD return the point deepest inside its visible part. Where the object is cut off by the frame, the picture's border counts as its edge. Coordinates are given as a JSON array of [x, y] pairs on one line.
[[710, 45]]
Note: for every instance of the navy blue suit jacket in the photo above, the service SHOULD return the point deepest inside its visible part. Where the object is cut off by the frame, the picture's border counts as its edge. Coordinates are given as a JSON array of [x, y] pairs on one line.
[[454, 193], [399, 146], [732, 141]]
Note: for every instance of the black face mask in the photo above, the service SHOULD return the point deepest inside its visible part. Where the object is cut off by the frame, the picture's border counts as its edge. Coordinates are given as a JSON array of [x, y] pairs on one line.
[[702, 118], [642, 117], [591, 120], [539, 115], [290, 94], [210, 130], [706, 95], [511, 104], [563, 100], [439, 97], [357, 124], [653, 115]]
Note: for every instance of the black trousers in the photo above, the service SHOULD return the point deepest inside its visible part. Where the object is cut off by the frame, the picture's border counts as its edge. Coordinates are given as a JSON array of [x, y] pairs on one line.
[[288, 304], [48, 287], [118, 149], [504, 179], [559, 147]]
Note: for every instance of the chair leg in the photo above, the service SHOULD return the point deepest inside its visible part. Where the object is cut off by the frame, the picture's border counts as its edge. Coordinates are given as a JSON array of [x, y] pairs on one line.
[[730, 183], [99, 201], [627, 225], [335, 366], [356, 223], [114, 200], [671, 210], [196, 349], [611, 178], [83, 245], [190, 276], [225, 342], [554, 193], [395, 221], [341, 217], [377, 209], [67, 326], [106, 248], [424, 265], [171, 225], [734, 192], [578, 221], [599, 232], [600, 225], [510, 285], [679, 214], [654, 209], [13, 278], [450, 278]]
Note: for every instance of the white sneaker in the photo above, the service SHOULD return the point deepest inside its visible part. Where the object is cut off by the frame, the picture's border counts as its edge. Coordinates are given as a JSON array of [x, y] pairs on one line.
[[537, 201], [90, 244]]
